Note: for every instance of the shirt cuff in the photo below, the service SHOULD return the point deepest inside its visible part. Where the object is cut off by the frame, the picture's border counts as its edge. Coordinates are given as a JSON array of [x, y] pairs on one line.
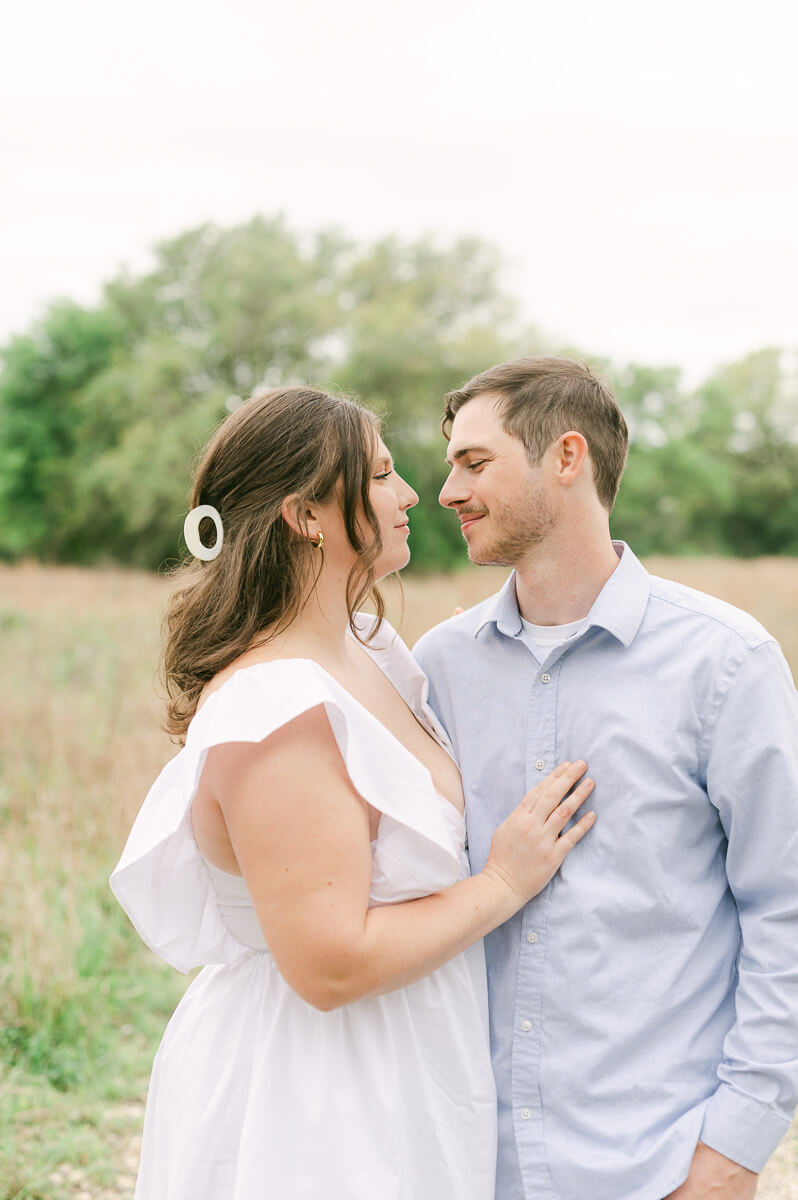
[[742, 1129]]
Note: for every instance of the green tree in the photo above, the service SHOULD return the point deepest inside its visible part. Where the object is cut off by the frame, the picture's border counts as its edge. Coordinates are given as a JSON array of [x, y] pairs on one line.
[[749, 418], [220, 313], [253, 301], [40, 422], [146, 419], [669, 503], [103, 411]]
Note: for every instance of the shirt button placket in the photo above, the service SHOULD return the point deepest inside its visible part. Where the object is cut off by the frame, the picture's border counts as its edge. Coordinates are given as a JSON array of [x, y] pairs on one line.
[[527, 1032], [528, 1115]]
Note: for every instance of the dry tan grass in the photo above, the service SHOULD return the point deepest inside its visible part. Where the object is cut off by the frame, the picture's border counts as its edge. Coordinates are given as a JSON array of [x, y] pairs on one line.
[[766, 587], [80, 744]]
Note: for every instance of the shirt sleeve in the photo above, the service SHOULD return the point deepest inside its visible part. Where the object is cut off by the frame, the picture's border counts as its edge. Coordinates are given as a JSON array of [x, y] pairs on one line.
[[751, 753]]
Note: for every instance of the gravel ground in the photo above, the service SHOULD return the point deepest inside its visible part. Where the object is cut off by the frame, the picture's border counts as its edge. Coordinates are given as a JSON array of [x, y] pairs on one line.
[[779, 1181]]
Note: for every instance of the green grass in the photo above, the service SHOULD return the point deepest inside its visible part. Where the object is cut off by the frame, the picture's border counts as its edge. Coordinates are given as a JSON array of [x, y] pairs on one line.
[[75, 1073], [83, 1004]]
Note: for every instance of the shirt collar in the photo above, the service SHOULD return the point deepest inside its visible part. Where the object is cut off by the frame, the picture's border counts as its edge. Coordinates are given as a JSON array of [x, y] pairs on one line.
[[621, 603], [501, 609], [618, 608]]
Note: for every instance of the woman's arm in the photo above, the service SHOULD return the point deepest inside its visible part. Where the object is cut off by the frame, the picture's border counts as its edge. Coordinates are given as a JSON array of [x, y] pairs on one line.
[[300, 835]]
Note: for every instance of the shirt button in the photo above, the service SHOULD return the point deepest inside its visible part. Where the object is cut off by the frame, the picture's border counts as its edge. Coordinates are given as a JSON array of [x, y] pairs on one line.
[[545, 678], [531, 938], [539, 764], [525, 1114], [526, 1026]]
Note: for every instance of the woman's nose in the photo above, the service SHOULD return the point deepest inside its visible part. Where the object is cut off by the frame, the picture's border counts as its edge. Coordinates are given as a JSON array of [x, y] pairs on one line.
[[410, 497]]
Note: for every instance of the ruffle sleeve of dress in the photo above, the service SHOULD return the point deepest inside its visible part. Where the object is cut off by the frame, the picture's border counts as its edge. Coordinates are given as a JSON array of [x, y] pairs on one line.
[[164, 884]]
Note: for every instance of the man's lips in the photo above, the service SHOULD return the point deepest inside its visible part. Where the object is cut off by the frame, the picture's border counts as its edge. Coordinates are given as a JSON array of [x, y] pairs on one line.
[[469, 519]]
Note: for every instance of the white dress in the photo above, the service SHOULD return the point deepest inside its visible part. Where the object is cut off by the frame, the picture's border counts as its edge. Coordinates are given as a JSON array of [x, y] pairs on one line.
[[255, 1094]]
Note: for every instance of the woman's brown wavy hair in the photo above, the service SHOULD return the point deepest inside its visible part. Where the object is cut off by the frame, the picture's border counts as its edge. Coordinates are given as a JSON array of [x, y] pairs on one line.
[[277, 443]]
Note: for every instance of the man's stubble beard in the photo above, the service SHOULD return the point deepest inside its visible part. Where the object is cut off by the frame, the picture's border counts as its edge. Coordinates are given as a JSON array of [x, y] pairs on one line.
[[519, 529]]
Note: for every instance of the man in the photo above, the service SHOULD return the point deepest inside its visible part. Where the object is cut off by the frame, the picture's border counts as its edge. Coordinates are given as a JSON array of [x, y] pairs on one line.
[[644, 1007]]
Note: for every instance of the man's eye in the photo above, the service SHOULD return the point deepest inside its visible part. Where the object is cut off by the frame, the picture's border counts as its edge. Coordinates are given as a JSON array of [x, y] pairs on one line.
[[472, 466]]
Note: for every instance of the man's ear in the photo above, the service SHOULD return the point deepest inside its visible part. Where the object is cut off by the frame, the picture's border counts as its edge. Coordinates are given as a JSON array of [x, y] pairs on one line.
[[571, 453], [298, 515]]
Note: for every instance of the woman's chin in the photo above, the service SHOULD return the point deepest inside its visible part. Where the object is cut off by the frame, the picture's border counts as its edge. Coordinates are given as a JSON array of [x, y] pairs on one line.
[[397, 562]]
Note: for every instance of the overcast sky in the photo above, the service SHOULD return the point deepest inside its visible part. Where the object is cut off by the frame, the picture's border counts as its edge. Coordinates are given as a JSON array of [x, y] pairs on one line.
[[636, 163]]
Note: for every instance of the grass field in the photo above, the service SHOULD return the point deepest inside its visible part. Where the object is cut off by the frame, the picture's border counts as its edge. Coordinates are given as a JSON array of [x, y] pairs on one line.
[[82, 1003]]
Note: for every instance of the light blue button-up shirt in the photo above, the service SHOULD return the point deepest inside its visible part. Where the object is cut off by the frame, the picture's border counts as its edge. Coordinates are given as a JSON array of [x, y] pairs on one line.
[[648, 997]]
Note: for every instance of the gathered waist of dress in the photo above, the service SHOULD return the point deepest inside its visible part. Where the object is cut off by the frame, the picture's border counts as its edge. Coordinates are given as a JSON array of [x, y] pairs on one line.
[[393, 880], [236, 908]]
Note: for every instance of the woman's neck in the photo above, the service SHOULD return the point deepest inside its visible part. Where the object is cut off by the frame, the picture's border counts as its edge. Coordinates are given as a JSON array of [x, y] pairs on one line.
[[321, 628]]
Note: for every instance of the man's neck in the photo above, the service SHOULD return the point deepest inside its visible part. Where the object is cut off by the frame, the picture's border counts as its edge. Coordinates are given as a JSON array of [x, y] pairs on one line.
[[559, 584]]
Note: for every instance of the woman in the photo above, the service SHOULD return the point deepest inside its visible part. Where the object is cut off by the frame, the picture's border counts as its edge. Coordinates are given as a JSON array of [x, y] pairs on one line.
[[307, 846]]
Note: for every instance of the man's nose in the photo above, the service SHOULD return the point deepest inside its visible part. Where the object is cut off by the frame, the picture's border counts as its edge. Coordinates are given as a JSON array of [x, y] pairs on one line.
[[451, 493]]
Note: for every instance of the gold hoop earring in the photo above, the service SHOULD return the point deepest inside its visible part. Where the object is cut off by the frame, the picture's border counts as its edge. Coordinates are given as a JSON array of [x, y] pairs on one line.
[[317, 545]]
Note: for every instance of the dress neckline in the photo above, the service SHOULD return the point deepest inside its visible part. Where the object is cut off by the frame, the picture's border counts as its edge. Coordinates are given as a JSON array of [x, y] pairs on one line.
[[370, 715]]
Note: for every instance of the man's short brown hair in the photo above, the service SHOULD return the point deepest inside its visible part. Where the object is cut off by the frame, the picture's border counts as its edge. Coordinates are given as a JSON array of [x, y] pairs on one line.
[[545, 397]]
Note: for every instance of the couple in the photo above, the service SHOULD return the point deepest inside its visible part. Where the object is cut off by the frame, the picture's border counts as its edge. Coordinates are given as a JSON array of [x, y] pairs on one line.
[[307, 844]]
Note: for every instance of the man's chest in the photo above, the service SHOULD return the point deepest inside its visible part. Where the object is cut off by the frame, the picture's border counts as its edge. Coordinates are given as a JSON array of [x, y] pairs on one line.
[[639, 733]]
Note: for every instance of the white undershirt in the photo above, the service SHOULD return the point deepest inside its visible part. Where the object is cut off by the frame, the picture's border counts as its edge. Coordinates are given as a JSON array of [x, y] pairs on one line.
[[542, 639]]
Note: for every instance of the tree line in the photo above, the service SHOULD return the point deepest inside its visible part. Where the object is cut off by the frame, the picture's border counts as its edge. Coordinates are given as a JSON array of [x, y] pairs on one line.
[[103, 409]]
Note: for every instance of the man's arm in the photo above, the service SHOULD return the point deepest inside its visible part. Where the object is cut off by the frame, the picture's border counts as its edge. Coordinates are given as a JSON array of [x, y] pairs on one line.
[[715, 1177], [751, 757]]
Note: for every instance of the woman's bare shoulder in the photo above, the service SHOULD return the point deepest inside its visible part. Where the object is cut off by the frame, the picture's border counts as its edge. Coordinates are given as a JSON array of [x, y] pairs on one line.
[[282, 646]]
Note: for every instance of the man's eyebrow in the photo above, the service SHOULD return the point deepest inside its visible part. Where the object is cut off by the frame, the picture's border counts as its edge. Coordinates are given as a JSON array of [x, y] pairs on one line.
[[458, 454]]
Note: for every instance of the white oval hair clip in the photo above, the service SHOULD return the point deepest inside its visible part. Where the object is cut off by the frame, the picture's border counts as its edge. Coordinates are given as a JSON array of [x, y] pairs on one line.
[[191, 532]]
